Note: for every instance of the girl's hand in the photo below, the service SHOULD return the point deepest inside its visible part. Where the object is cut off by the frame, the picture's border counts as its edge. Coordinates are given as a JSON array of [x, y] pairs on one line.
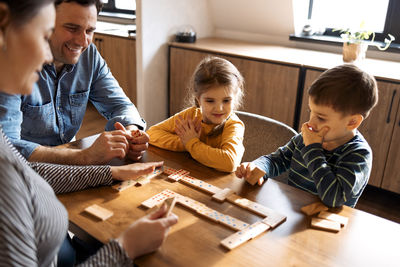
[[187, 129], [310, 136]]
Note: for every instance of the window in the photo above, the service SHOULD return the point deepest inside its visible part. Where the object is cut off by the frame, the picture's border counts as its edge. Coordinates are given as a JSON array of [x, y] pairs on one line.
[[376, 15], [350, 14], [119, 6]]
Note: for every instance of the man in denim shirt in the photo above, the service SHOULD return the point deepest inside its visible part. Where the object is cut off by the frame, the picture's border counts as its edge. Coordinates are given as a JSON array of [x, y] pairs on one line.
[[53, 113]]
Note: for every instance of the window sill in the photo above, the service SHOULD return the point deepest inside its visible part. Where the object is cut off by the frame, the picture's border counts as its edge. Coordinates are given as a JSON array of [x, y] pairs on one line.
[[332, 40]]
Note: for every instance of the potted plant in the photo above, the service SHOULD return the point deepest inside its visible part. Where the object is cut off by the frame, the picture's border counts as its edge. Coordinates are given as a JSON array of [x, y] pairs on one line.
[[356, 43]]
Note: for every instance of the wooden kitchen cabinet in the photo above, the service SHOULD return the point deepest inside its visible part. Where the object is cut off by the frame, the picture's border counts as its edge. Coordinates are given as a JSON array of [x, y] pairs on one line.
[[377, 130], [120, 55], [391, 176], [270, 88]]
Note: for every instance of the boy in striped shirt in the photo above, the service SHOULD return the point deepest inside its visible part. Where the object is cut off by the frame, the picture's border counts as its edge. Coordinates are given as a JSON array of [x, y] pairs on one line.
[[329, 158]]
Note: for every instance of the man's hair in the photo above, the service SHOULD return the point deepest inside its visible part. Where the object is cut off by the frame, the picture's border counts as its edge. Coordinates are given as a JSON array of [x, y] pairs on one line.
[[347, 89], [97, 3], [22, 11]]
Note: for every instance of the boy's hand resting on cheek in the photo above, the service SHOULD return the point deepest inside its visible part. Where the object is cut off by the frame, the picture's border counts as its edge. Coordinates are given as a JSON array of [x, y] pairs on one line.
[[311, 136], [187, 129]]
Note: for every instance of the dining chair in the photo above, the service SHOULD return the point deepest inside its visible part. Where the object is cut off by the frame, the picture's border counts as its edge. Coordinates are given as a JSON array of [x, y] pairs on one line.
[[263, 135]]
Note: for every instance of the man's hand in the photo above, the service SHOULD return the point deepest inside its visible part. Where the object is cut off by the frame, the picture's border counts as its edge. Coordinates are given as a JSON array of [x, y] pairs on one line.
[[138, 141], [311, 136], [147, 234], [133, 171], [187, 129], [107, 146]]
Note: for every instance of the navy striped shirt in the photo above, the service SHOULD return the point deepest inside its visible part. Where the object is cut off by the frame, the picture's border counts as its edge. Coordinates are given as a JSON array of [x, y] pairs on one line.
[[338, 177]]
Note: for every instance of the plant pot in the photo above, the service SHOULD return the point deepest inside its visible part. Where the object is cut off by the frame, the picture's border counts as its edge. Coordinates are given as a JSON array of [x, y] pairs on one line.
[[354, 52]]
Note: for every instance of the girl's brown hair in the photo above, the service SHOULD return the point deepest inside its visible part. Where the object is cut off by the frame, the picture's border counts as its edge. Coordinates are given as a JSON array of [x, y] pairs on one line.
[[212, 72]]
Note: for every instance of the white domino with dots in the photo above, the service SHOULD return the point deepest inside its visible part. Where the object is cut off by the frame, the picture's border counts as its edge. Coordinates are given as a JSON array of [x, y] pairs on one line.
[[169, 170], [199, 184], [176, 176], [145, 179], [159, 198]]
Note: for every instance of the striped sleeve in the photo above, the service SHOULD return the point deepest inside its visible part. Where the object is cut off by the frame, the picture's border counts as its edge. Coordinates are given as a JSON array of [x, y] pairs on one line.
[[17, 232], [67, 178], [277, 162], [110, 254], [340, 183]]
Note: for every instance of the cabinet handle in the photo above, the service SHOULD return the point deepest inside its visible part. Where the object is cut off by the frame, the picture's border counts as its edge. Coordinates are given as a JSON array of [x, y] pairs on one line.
[[97, 42], [390, 107]]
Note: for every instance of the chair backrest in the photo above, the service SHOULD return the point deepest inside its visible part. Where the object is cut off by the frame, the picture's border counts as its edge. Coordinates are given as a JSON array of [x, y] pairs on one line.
[[263, 135]]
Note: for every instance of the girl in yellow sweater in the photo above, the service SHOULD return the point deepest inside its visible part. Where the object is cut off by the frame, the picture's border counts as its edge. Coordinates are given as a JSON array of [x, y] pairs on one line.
[[210, 130]]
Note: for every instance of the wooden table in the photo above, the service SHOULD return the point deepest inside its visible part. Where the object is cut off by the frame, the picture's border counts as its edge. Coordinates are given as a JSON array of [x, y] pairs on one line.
[[367, 240]]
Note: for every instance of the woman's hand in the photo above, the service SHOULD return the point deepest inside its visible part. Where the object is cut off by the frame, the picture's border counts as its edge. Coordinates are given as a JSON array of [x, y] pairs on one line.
[[133, 171], [147, 234]]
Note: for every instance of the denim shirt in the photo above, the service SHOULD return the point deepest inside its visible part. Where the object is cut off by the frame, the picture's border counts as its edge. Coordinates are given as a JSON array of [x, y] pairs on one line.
[[53, 113]]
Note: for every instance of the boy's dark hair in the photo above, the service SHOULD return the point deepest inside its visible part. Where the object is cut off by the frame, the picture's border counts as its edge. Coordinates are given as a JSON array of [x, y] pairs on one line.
[[97, 3], [347, 89], [21, 11]]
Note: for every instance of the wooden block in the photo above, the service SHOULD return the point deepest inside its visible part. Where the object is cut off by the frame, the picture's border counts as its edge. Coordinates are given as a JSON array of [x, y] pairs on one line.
[[324, 224], [99, 212], [313, 208], [199, 184], [123, 185], [221, 195], [244, 235], [256, 174], [333, 217], [274, 219]]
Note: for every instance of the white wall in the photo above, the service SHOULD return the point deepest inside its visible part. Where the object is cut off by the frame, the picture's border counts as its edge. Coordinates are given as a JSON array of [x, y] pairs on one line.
[[157, 21], [268, 21]]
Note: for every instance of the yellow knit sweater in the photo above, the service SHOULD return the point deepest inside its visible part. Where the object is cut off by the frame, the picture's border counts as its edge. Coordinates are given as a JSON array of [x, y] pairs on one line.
[[223, 151]]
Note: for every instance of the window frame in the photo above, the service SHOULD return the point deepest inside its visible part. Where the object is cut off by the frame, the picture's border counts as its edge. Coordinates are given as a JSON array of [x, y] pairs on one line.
[[110, 7], [333, 37]]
